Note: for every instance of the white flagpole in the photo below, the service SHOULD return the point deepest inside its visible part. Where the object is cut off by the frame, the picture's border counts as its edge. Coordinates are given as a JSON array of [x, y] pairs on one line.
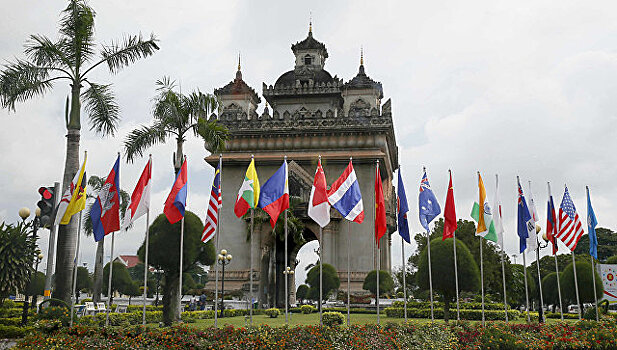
[[458, 305], [548, 184], [143, 321], [526, 290], [578, 301], [593, 269], [482, 277], [430, 273], [503, 268], [111, 272], [348, 270], [180, 271], [538, 267], [404, 281], [217, 232], [320, 275], [286, 273], [74, 299], [377, 243]]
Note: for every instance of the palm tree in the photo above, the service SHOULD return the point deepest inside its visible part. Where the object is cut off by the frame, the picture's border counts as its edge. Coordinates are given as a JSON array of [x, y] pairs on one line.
[[176, 115], [95, 183], [70, 59]]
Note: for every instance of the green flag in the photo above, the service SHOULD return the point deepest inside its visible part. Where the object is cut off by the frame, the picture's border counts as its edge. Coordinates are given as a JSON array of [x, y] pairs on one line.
[[491, 233]]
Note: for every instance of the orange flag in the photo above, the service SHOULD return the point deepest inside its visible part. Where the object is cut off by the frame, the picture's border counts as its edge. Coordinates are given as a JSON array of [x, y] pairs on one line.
[[380, 208]]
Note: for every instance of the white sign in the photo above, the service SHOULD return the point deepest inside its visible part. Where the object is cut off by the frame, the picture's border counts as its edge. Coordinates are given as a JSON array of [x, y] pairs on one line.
[[608, 273]]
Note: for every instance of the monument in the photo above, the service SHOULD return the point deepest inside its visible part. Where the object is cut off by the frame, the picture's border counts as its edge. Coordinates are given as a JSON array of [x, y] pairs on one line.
[[307, 113]]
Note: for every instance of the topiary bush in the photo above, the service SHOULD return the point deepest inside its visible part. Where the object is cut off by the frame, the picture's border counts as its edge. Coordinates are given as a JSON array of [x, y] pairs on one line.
[[273, 312], [12, 332], [332, 319], [307, 309]]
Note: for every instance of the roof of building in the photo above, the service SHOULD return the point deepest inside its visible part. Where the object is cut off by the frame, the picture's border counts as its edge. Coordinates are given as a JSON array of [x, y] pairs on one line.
[[362, 81], [289, 78], [310, 43], [129, 260], [237, 87]]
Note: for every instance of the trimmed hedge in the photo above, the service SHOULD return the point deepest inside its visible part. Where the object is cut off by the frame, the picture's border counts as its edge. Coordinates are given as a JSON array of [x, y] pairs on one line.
[[566, 316], [332, 318], [439, 304], [12, 321], [491, 315], [273, 312], [136, 308], [12, 332], [307, 309]]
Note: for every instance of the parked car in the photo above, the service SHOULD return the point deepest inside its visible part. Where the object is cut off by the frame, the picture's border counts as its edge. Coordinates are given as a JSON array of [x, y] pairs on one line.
[[573, 309]]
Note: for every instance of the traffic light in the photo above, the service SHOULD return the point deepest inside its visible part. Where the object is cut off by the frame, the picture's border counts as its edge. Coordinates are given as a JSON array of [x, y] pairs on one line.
[[46, 204]]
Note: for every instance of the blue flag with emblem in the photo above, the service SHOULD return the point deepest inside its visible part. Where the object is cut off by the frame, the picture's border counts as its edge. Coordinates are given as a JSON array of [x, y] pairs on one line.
[[591, 228], [427, 203], [403, 208]]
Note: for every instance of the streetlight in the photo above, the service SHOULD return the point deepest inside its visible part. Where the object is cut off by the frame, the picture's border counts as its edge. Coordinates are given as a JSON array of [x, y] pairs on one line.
[[288, 272], [223, 259], [24, 213], [39, 258]]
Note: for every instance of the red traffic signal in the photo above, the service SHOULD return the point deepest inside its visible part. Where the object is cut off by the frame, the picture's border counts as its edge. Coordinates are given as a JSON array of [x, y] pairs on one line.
[[45, 192]]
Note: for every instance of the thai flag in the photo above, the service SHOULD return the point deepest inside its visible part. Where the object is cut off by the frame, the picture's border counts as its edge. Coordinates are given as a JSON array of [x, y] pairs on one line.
[[140, 199], [105, 212], [176, 201], [274, 194], [344, 195]]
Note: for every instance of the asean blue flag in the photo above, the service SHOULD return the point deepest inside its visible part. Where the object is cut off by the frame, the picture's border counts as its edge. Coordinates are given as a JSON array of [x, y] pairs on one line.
[[274, 194], [403, 208], [591, 228], [176, 200], [427, 202]]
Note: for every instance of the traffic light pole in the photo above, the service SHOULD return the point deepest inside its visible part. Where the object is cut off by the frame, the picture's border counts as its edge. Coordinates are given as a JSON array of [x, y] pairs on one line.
[[24, 314], [52, 243]]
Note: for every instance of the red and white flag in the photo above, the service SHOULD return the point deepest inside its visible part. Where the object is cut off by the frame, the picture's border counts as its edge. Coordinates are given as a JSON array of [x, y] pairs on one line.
[[216, 201], [140, 199], [318, 206], [570, 228]]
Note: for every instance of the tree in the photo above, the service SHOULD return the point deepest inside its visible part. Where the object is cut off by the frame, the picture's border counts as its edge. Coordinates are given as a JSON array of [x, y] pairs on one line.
[[165, 255], [442, 258], [607, 244], [585, 283], [612, 260], [549, 289], [71, 58], [17, 250], [132, 290], [84, 282], [177, 114], [330, 282], [302, 292], [36, 286], [386, 283], [95, 183], [516, 287], [119, 279]]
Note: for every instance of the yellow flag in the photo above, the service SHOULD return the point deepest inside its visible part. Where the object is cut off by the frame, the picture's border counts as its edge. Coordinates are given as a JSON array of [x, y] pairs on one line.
[[251, 174], [481, 223], [77, 192]]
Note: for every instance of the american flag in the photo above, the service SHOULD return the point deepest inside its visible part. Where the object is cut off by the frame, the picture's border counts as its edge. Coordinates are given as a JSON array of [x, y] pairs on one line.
[[570, 228], [214, 206]]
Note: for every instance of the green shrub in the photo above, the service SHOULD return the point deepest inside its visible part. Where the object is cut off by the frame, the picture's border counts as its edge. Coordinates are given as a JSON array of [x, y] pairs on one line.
[[273, 312], [8, 304], [590, 313], [55, 313], [10, 321], [12, 332], [331, 319], [10, 312], [307, 309], [47, 326], [491, 315], [566, 316]]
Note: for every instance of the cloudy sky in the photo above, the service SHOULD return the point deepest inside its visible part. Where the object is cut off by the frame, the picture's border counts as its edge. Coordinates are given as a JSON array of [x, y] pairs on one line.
[[515, 88]]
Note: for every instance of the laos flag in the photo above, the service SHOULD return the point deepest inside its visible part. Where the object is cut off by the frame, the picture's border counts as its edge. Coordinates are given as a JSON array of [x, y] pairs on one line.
[[105, 212], [274, 194], [176, 201]]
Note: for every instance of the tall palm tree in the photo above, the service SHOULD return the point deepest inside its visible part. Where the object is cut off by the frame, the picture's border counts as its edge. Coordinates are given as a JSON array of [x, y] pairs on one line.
[[95, 183], [176, 115], [71, 58]]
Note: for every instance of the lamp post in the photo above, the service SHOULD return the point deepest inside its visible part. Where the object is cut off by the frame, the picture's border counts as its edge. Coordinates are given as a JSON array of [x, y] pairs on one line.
[[24, 213], [224, 259], [39, 258], [287, 272]]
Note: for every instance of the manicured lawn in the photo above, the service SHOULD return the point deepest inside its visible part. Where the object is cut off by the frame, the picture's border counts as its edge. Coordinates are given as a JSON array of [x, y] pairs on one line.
[[304, 319]]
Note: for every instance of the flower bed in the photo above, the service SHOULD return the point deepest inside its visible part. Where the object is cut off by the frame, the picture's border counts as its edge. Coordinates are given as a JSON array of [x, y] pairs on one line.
[[413, 335]]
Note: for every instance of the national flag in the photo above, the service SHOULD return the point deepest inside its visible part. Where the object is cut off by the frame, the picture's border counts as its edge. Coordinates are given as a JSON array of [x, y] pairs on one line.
[[274, 194], [402, 209], [248, 195], [498, 214], [73, 201], [344, 195], [318, 205], [380, 208], [428, 206], [105, 212], [591, 228], [216, 201], [551, 221], [175, 204], [532, 206], [526, 227], [449, 213], [570, 228], [140, 199], [483, 215]]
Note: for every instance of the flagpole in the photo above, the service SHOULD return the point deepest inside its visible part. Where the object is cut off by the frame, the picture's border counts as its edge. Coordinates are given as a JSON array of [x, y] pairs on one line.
[[377, 242], [74, 299], [526, 291], [593, 269], [503, 269], [482, 277], [286, 273], [538, 267], [348, 273], [554, 242], [404, 281], [143, 321], [111, 272], [320, 275], [458, 306], [578, 301], [180, 271], [430, 273]]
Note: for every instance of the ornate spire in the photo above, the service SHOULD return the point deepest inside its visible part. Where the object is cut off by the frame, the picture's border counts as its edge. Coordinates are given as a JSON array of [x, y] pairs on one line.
[[361, 56], [238, 61], [239, 73], [311, 23]]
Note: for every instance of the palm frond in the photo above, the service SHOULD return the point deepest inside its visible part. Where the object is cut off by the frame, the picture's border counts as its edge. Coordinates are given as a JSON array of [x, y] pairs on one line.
[[214, 135], [45, 53], [77, 26], [141, 139], [20, 81], [165, 84], [119, 55], [200, 105], [102, 108]]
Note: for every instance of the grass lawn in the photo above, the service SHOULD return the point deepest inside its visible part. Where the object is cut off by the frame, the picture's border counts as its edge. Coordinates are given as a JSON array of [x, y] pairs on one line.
[[304, 319]]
